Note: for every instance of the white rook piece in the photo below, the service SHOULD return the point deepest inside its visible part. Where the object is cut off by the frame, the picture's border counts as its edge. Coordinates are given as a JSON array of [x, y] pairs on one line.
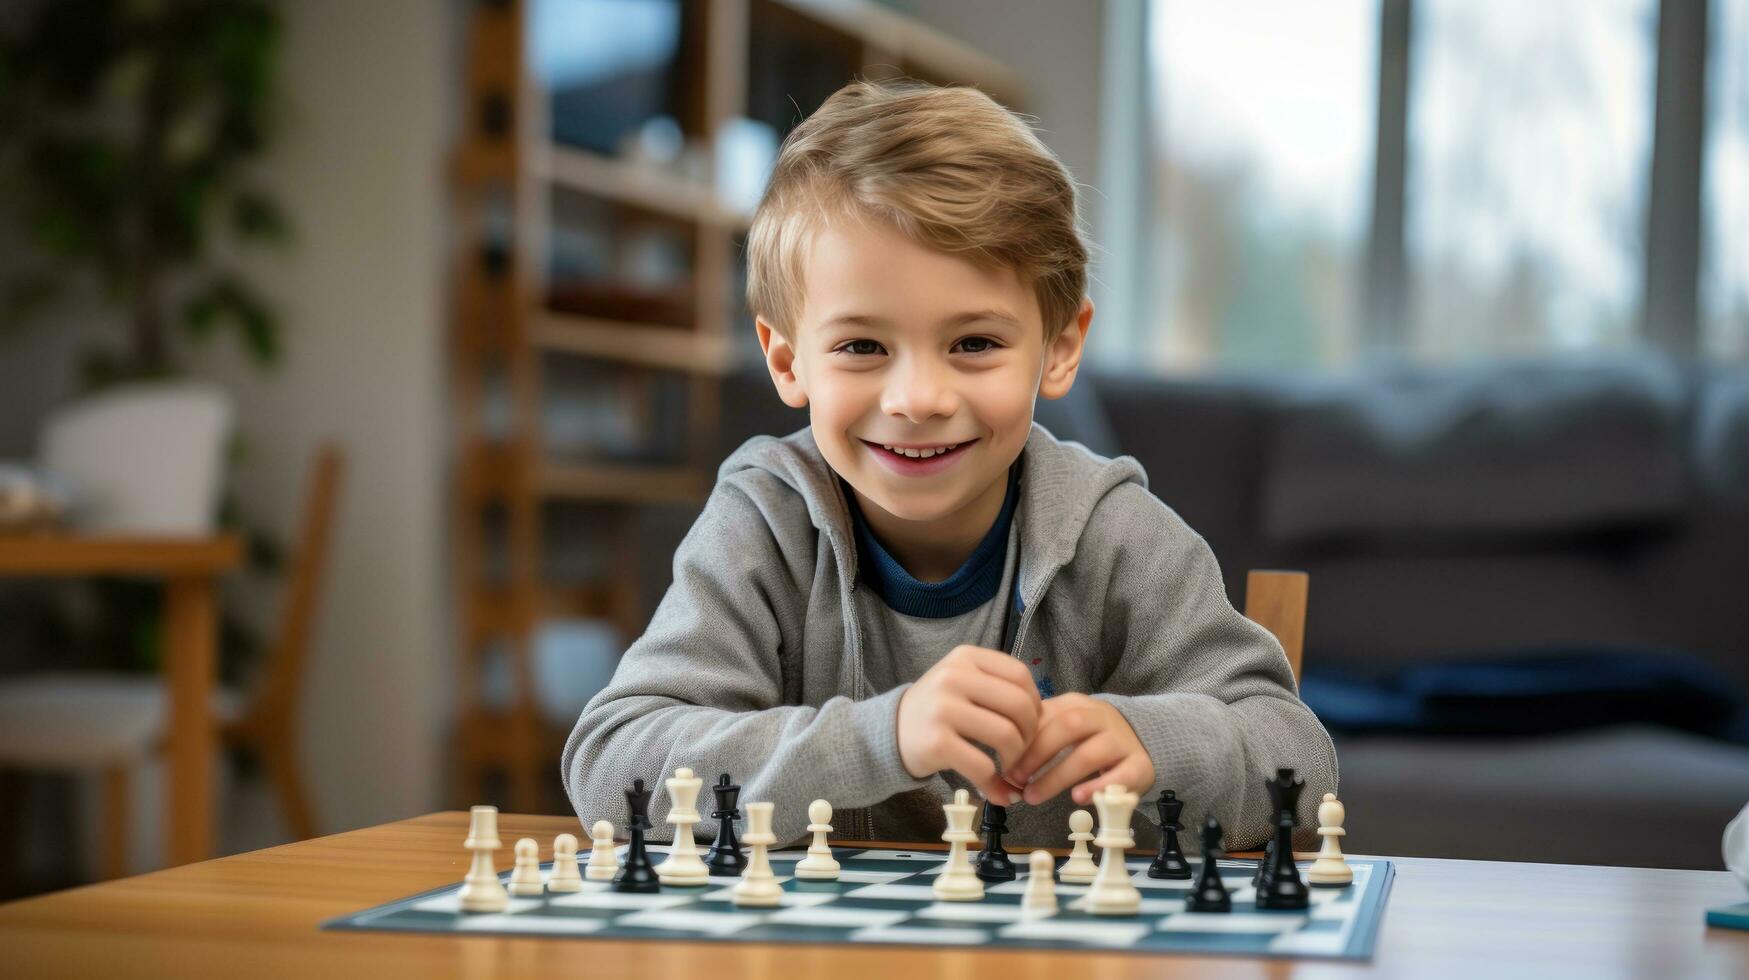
[[758, 886], [565, 877], [1080, 869], [1331, 868], [819, 865], [1040, 898], [481, 889], [525, 879], [603, 863], [1113, 893], [958, 882], [684, 866]]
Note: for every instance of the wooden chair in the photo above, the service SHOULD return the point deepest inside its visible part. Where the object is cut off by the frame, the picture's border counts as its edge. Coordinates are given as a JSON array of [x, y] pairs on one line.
[[1276, 601], [110, 722]]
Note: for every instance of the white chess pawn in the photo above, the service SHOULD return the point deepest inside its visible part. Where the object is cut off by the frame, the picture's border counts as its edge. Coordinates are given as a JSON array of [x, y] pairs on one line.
[[603, 863], [1113, 891], [481, 889], [525, 879], [959, 882], [565, 877], [1040, 898], [758, 887], [1331, 868], [683, 866], [1080, 868], [819, 865]]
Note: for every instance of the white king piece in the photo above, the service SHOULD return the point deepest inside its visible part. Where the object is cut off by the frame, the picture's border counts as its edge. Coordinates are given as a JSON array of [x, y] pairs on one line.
[[684, 866]]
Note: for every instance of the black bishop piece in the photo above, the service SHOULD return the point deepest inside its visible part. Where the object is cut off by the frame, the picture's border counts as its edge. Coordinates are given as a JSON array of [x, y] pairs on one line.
[[725, 857], [1281, 887], [1170, 862], [638, 874], [993, 861], [1209, 894]]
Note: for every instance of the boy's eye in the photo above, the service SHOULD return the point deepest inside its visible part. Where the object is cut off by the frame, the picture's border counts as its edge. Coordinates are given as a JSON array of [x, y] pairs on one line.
[[978, 345], [861, 347]]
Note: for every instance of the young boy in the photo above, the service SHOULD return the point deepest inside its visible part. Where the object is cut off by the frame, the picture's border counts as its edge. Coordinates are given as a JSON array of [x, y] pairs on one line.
[[923, 590]]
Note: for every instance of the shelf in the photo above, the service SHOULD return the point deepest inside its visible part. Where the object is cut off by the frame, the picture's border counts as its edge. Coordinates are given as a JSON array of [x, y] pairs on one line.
[[647, 345], [897, 34], [622, 482], [626, 183], [498, 605]]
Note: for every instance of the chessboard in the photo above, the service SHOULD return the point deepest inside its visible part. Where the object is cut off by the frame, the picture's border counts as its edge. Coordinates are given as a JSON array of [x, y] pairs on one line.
[[884, 896]]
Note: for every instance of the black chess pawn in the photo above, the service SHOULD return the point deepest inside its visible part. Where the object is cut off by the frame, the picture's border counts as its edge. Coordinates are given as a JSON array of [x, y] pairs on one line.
[[637, 874], [1209, 894], [993, 861], [725, 857], [1169, 862], [1282, 887]]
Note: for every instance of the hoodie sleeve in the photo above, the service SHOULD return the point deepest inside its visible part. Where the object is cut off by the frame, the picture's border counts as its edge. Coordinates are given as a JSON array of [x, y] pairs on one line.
[[1208, 692], [704, 686]]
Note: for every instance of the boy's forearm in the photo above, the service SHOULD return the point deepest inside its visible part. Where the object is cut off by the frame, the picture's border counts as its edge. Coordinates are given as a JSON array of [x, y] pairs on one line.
[[1216, 756], [843, 751]]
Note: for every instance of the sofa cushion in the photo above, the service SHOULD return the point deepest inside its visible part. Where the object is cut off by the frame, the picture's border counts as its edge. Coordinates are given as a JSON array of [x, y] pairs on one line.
[[1500, 451]]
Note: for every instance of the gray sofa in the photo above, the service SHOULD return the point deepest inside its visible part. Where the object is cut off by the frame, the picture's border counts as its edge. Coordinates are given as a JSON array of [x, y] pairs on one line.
[[1465, 513]]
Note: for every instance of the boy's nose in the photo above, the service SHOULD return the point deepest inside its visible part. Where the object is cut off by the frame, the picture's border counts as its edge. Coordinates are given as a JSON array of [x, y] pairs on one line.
[[918, 391]]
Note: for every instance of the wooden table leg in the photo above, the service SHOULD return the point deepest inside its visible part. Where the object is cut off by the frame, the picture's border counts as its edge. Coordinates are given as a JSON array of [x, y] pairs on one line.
[[191, 635]]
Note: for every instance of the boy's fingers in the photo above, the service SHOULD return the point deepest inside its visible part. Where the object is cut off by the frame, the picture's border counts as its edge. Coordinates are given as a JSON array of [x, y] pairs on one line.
[[1088, 758], [999, 664], [1128, 774], [988, 727], [1004, 700], [969, 761], [1056, 732]]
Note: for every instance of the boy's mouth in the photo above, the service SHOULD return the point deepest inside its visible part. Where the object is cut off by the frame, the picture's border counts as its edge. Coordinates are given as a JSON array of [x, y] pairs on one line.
[[918, 460]]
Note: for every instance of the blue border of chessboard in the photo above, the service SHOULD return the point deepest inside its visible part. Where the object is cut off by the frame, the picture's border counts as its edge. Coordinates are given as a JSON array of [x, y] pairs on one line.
[[434, 911]]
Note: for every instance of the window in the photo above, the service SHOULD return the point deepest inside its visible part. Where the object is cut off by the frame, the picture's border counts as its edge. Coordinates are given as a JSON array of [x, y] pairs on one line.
[[1530, 128], [1264, 132], [1725, 198]]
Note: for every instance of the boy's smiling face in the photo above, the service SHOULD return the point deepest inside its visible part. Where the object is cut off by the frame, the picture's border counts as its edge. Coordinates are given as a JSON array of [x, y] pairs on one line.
[[901, 346]]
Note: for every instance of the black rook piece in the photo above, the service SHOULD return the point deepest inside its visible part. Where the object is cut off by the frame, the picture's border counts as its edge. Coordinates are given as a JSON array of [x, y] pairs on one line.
[[993, 862], [637, 875], [1169, 862], [1282, 887], [725, 857], [1209, 894]]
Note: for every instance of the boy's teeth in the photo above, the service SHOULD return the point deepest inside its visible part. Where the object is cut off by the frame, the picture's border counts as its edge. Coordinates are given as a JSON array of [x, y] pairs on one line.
[[920, 453]]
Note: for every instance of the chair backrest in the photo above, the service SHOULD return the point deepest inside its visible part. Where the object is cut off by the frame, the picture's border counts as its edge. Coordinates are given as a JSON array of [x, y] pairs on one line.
[[145, 458], [1276, 601], [285, 660]]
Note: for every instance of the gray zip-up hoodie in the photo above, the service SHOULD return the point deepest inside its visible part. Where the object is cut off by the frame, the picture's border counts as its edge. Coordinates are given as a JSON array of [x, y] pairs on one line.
[[753, 662]]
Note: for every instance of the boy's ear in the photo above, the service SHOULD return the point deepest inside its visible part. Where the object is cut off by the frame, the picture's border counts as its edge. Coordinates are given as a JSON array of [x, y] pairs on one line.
[[780, 360], [1063, 356]]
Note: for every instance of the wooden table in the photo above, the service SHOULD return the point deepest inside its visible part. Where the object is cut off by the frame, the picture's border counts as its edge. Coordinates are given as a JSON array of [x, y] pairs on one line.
[[189, 568], [256, 915]]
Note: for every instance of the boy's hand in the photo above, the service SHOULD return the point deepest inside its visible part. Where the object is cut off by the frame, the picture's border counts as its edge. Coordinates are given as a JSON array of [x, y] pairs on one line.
[[1105, 748], [972, 695]]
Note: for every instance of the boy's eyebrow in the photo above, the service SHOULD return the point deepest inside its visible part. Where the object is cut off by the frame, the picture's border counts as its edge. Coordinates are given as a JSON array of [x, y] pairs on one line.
[[969, 316]]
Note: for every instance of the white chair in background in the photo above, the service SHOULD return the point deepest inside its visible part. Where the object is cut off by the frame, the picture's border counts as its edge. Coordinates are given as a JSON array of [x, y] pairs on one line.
[[143, 459]]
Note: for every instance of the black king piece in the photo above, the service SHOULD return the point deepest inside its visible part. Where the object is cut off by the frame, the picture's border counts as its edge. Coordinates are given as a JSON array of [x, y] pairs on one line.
[[1282, 887], [725, 857], [993, 861], [638, 875], [1169, 862]]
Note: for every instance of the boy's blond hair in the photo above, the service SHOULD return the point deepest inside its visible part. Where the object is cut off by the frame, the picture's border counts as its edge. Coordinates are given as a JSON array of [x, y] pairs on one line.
[[948, 167]]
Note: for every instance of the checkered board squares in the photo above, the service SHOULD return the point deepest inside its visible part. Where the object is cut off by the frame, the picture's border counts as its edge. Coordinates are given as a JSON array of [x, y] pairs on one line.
[[884, 896]]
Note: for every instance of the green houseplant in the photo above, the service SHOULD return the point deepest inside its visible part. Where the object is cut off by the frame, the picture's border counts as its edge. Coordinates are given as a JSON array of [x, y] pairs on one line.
[[126, 131]]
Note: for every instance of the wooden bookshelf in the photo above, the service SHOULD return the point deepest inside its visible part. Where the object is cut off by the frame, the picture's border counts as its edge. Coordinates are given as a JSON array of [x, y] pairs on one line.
[[513, 319]]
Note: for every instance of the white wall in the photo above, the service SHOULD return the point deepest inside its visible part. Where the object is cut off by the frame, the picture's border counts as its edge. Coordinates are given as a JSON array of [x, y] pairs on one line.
[[360, 165]]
